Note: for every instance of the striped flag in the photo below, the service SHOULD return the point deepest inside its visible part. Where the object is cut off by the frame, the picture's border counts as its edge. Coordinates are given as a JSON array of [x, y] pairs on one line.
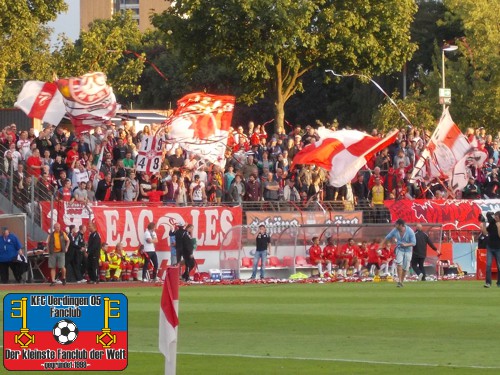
[[342, 152], [445, 156], [169, 320], [41, 100]]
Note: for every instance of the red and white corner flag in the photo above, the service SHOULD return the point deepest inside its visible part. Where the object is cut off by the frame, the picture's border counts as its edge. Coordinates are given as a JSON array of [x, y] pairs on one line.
[[169, 320], [342, 152]]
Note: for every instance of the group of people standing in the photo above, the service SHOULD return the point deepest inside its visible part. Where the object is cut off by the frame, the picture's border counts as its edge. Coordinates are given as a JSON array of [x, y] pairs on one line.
[[182, 246], [86, 256]]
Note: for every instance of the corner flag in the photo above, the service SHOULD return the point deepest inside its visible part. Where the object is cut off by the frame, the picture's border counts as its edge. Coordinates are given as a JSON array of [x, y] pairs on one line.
[[169, 320]]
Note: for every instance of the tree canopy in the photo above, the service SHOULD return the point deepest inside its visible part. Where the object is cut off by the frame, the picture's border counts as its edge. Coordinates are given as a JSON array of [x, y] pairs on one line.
[[108, 46], [274, 43], [23, 37]]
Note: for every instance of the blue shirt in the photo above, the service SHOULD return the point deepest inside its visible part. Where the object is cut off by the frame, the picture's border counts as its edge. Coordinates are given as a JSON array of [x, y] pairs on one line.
[[9, 247], [408, 238]]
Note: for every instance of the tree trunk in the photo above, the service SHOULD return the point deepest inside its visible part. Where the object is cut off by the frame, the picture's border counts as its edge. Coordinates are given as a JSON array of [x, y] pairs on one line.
[[279, 103], [279, 114]]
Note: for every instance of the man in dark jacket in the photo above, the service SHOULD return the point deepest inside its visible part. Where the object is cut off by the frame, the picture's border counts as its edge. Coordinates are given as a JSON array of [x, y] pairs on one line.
[[420, 252], [93, 253]]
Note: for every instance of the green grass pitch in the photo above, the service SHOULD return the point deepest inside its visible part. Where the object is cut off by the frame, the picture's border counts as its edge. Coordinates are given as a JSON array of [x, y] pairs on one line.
[[446, 327]]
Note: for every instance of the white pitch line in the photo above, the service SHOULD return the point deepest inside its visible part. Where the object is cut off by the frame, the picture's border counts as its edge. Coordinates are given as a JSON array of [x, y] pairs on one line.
[[329, 360], [322, 360]]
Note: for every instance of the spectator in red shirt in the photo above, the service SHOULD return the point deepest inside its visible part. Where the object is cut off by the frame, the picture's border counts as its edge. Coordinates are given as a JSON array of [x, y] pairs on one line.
[[72, 155], [34, 164], [153, 195]]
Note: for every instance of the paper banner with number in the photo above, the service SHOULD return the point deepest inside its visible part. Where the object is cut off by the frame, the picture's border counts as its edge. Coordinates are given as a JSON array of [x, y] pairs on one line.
[[150, 154]]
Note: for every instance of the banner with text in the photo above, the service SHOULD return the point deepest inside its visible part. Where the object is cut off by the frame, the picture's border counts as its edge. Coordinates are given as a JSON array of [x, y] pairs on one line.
[[453, 214], [128, 224]]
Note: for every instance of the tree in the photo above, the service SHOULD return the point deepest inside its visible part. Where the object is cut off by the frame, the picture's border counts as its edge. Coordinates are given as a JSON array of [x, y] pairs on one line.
[[274, 43], [471, 71], [22, 37], [108, 47], [388, 117]]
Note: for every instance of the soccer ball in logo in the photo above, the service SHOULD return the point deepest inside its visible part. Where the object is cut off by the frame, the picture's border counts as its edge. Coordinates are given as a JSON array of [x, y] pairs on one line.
[[65, 332]]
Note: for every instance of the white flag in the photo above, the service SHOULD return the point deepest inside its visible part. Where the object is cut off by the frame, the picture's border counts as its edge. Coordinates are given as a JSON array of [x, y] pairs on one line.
[[41, 100]]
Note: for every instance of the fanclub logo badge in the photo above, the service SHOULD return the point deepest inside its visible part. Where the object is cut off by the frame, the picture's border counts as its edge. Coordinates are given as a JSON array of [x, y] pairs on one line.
[[65, 332]]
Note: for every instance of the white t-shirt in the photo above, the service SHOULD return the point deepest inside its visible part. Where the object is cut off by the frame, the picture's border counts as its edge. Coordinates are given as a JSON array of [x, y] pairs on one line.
[[149, 235]]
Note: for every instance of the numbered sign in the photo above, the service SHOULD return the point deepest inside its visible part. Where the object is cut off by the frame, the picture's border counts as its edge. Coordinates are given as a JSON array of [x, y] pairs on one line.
[[150, 154]]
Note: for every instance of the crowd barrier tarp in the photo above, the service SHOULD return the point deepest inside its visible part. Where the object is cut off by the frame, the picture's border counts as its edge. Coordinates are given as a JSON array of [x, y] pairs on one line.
[[453, 214], [277, 221]]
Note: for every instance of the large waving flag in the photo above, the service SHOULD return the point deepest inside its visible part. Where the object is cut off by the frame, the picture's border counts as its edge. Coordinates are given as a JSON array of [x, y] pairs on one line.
[[342, 152], [169, 320], [41, 100], [447, 155], [201, 125], [88, 99]]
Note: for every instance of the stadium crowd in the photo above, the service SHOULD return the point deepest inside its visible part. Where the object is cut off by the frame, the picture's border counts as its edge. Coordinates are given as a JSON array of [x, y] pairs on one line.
[[57, 163]]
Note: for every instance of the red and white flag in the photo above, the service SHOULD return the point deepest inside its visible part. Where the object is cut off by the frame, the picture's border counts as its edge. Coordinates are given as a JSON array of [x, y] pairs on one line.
[[150, 154], [169, 320], [445, 154], [41, 100], [342, 152], [88, 99], [201, 125]]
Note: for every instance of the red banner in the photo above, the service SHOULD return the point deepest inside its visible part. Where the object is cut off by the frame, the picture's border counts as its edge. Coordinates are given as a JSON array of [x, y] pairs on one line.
[[453, 214], [127, 224]]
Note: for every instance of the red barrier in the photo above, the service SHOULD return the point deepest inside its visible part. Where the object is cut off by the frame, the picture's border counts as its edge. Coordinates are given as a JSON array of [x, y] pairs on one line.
[[481, 266]]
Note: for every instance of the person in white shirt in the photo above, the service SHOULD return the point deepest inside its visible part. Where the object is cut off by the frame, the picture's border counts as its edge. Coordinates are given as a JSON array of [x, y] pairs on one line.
[[150, 241], [23, 144], [16, 155]]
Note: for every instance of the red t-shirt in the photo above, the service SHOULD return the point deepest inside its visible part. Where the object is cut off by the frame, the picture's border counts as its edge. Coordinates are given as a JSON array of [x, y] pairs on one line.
[[34, 161], [154, 195]]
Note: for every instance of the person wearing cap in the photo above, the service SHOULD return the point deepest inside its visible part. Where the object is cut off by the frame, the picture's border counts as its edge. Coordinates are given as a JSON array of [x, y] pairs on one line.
[[10, 248], [405, 240]]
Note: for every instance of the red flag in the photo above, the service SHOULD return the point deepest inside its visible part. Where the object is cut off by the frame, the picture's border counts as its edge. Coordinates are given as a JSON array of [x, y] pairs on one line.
[[169, 320], [41, 100], [342, 152], [201, 125]]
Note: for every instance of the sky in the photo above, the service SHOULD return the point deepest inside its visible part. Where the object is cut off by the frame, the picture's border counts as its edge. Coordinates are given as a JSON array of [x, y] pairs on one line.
[[67, 23]]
